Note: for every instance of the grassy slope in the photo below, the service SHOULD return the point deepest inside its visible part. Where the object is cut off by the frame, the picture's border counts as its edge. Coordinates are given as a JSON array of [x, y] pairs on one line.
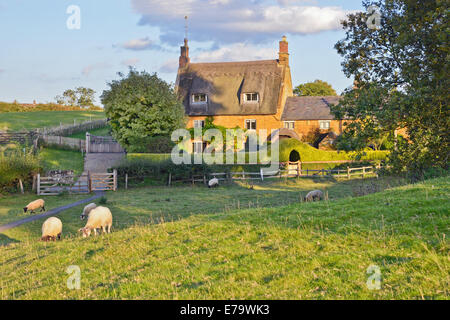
[[30, 120], [302, 250], [101, 132], [55, 159]]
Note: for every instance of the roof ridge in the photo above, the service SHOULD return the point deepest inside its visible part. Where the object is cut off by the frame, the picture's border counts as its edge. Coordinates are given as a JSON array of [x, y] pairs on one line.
[[234, 62]]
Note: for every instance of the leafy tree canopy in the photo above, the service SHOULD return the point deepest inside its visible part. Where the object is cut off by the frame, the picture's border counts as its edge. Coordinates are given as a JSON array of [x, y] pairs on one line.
[[316, 88], [399, 58], [81, 97], [141, 105]]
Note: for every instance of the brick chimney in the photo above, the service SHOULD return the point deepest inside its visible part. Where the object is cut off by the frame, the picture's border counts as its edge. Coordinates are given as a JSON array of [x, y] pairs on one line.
[[284, 52], [184, 56]]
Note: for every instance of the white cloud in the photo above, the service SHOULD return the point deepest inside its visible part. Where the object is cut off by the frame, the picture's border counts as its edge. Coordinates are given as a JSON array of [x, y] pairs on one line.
[[170, 66], [233, 21], [138, 44], [236, 52], [131, 62], [90, 68]]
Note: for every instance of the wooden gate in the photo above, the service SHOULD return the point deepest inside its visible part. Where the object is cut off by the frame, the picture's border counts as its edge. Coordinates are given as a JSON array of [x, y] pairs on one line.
[[96, 144], [103, 181]]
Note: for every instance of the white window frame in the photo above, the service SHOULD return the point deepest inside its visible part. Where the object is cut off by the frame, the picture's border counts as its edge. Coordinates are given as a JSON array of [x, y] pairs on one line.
[[289, 125], [197, 122], [199, 102], [251, 93], [250, 122], [324, 124]]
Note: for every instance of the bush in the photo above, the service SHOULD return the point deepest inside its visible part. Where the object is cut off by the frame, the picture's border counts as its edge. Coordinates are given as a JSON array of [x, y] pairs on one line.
[[308, 153], [158, 144], [15, 165]]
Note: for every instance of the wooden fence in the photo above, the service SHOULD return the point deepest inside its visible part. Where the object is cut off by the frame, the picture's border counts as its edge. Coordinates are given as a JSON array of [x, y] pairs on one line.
[[52, 186], [77, 144], [69, 129], [95, 144], [103, 181], [23, 137]]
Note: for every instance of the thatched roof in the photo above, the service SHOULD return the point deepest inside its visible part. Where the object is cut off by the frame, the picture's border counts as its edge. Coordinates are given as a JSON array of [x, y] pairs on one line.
[[225, 82], [309, 108]]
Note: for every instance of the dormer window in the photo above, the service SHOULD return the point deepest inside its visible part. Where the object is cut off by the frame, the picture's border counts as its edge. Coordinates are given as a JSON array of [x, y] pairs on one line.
[[199, 98], [251, 97]]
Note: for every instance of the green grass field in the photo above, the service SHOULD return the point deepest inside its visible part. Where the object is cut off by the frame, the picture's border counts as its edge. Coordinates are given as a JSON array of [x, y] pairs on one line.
[[240, 243], [101, 132], [56, 159], [16, 121]]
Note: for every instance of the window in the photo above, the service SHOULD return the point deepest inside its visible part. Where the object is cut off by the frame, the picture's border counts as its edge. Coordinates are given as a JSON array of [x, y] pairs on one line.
[[324, 124], [289, 125], [250, 124], [251, 97], [198, 146], [199, 98], [199, 123]]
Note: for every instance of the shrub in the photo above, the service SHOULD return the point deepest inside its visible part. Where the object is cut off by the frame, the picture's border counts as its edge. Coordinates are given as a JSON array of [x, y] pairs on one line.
[[158, 144], [15, 165]]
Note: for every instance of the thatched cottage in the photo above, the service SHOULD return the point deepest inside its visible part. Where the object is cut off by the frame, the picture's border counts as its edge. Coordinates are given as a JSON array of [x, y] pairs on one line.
[[251, 95]]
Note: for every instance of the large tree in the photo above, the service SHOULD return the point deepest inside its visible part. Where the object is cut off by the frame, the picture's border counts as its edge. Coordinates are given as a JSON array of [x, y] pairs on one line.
[[316, 88], [399, 58], [81, 97], [140, 106]]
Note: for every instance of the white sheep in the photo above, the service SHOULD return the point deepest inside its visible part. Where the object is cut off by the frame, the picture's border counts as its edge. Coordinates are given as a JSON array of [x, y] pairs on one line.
[[32, 206], [214, 182], [314, 195], [99, 217], [87, 210], [51, 229]]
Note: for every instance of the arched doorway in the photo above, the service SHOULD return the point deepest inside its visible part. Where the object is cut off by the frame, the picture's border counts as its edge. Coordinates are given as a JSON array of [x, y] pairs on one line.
[[294, 156]]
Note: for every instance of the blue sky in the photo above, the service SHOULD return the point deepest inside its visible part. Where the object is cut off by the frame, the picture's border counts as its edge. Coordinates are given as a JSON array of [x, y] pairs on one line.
[[40, 57]]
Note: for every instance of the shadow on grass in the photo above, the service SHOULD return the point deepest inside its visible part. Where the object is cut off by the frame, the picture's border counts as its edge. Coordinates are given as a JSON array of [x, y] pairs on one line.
[[6, 241]]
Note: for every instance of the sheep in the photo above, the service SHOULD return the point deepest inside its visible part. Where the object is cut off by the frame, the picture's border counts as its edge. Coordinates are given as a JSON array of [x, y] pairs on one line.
[[314, 195], [87, 210], [213, 183], [51, 229], [99, 217], [32, 206]]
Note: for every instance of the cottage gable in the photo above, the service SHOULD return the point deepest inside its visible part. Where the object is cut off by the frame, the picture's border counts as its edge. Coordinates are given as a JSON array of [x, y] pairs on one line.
[[309, 108]]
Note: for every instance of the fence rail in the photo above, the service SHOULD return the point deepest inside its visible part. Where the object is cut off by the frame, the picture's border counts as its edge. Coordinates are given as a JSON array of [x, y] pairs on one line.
[[96, 144], [22, 137], [87, 183], [73, 143], [69, 129]]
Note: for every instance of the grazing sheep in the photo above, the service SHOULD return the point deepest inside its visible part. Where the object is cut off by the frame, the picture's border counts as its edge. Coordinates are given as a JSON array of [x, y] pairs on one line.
[[99, 217], [213, 183], [51, 229], [87, 210], [314, 195], [32, 206]]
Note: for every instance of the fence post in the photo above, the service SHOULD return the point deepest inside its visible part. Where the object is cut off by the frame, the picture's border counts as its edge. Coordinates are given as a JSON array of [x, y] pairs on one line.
[[88, 138], [204, 179], [38, 184], [21, 186], [115, 179], [298, 169], [348, 172], [364, 172], [262, 173], [170, 178], [89, 182], [126, 181]]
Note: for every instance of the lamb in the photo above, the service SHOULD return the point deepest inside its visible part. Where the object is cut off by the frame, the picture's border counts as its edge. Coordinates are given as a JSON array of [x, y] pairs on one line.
[[99, 217], [51, 229], [32, 206], [314, 195], [87, 210], [213, 183]]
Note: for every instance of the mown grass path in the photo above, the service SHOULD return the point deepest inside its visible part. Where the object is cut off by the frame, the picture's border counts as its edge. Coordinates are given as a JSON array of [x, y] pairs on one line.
[[52, 212]]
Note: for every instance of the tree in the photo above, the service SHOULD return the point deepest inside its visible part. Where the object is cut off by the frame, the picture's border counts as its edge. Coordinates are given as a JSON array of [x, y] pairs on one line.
[[316, 88], [81, 97], [141, 105], [400, 64]]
